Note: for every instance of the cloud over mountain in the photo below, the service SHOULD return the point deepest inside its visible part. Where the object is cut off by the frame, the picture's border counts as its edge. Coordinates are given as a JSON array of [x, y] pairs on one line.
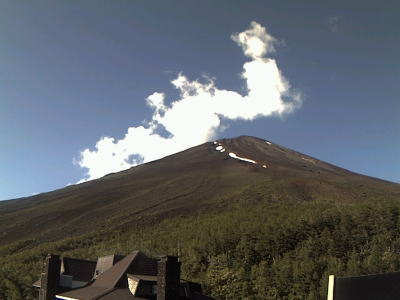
[[195, 117]]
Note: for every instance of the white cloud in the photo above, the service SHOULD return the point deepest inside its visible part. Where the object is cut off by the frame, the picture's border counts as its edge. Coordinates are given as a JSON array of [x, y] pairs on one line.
[[255, 41], [195, 117]]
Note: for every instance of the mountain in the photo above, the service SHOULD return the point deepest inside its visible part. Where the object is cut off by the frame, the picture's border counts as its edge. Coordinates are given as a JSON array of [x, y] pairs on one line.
[[243, 179], [180, 184]]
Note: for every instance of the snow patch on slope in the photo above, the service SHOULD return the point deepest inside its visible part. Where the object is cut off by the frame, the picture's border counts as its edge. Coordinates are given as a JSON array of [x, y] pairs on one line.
[[233, 155], [221, 149], [307, 159]]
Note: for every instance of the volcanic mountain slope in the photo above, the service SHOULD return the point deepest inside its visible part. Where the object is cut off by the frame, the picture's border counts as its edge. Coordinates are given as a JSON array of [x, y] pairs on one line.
[[209, 177]]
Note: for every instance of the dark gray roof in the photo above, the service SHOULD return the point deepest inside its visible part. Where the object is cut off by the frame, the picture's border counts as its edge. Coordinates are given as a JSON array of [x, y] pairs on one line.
[[120, 294], [373, 287], [107, 281], [112, 276], [143, 265], [113, 283], [79, 269], [106, 262]]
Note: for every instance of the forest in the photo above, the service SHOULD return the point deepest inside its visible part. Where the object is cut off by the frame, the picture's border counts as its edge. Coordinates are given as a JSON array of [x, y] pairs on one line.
[[267, 250]]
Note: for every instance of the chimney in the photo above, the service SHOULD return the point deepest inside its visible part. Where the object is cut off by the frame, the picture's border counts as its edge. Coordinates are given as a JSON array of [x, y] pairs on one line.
[[50, 277], [168, 278]]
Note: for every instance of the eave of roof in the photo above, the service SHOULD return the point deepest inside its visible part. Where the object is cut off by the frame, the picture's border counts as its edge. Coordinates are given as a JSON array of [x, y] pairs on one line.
[[65, 298], [37, 283], [142, 277]]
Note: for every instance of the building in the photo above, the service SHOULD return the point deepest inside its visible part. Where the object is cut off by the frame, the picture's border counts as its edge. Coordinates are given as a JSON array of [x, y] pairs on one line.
[[135, 276], [371, 287]]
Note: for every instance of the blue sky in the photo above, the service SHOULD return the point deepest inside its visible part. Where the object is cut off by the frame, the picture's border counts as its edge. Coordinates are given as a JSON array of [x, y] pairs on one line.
[[75, 72]]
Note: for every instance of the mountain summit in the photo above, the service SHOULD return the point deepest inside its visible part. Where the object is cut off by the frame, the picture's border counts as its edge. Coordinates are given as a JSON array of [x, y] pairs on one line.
[[212, 176]]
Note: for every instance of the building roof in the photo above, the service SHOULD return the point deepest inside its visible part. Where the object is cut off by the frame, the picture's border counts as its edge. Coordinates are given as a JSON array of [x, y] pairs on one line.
[[144, 265], [106, 262], [120, 294], [372, 287], [87, 293], [113, 275], [109, 282], [115, 282], [79, 269]]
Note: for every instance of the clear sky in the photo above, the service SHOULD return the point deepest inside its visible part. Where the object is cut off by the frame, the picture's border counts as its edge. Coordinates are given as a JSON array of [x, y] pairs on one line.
[[325, 81]]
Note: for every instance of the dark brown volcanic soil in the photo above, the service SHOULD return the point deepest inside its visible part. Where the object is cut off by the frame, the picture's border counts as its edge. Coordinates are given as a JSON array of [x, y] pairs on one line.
[[194, 181]]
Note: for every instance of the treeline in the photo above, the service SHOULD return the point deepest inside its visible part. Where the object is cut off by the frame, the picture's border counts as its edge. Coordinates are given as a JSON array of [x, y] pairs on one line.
[[270, 251]]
